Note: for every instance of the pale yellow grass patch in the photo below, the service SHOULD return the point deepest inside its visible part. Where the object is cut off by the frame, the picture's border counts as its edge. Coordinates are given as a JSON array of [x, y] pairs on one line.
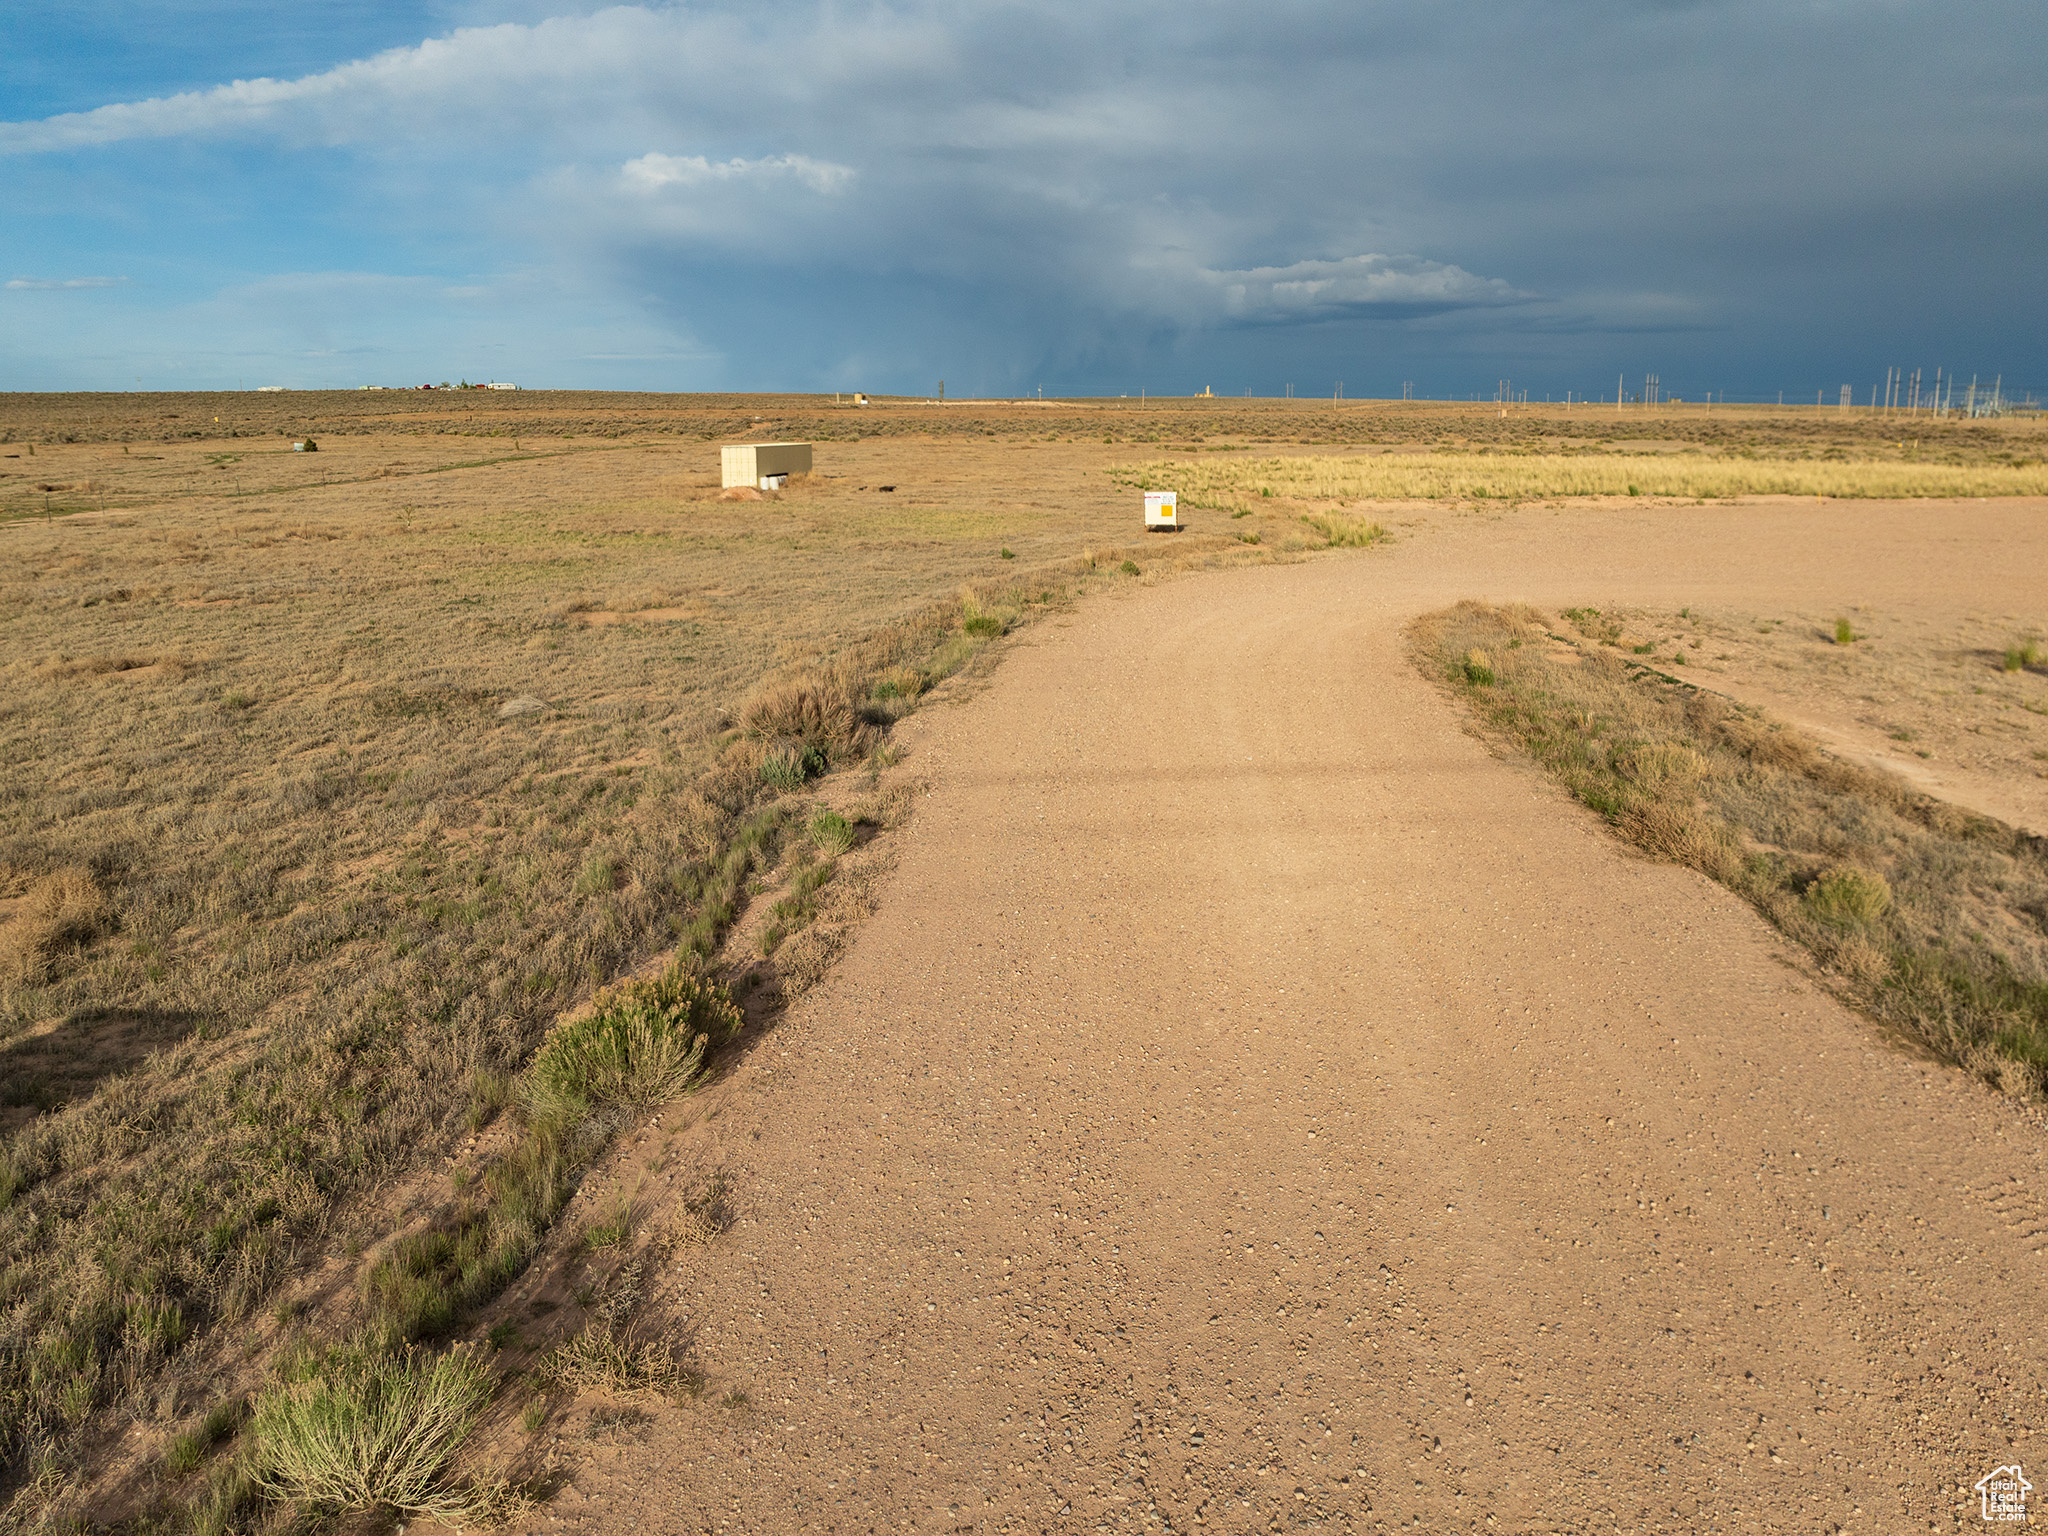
[[1246, 484]]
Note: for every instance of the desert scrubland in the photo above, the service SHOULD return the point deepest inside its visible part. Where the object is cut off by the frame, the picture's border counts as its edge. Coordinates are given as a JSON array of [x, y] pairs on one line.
[[338, 780]]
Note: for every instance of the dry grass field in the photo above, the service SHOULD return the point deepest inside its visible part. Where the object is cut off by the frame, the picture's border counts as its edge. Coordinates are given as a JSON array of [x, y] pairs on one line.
[[337, 778], [1934, 919], [1239, 485]]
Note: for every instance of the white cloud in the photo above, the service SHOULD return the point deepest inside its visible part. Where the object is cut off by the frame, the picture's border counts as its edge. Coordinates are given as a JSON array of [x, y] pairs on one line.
[[1355, 284], [654, 172], [46, 284], [485, 76]]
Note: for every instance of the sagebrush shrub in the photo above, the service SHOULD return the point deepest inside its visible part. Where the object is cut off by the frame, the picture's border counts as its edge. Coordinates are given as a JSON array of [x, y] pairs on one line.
[[643, 1043], [1849, 895], [372, 1431]]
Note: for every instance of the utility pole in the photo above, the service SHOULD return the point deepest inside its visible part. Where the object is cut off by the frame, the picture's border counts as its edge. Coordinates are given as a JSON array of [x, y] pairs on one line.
[[1617, 394]]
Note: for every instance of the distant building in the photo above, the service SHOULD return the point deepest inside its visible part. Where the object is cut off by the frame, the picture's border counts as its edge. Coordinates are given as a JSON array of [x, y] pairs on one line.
[[501, 386], [763, 466]]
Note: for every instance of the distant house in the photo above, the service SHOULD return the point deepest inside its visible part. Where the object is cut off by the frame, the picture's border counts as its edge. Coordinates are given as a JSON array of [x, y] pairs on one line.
[[501, 386]]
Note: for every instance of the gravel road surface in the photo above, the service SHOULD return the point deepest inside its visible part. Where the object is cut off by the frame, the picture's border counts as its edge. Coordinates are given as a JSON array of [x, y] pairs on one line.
[[1257, 1105]]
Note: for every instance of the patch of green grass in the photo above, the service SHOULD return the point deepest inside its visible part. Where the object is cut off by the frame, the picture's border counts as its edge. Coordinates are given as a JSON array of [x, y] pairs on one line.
[[800, 905], [490, 1090], [613, 1228], [1129, 567], [2019, 657], [1845, 633], [831, 831], [642, 1044], [190, 1449]]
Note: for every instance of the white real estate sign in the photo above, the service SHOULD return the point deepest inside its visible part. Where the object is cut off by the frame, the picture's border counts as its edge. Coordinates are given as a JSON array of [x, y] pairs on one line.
[[1162, 509]]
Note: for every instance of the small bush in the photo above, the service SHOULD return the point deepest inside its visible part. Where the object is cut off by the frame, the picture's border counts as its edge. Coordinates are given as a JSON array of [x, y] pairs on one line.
[[2019, 657], [1129, 567], [1008, 553], [1849, 896], [1476, 667], [789, 768], [1845, 633], [643, 1043], [810, 714], [831, 832], [599, 1358], [373, 1432]]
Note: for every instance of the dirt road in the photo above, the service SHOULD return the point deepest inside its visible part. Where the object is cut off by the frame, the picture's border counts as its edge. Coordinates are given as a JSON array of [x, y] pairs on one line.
[[1257, 1106]]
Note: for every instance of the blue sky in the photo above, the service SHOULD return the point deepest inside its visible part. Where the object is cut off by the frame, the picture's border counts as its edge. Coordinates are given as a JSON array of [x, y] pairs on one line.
[[1091, 198]]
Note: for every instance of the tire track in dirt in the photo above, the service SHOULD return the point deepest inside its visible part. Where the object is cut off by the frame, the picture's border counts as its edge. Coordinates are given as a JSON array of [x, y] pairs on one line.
[[1255, 1106]]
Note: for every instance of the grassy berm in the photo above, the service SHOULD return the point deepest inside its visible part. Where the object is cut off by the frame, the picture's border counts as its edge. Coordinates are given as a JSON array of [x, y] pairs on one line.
[[325, 803], [1933, 919]]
